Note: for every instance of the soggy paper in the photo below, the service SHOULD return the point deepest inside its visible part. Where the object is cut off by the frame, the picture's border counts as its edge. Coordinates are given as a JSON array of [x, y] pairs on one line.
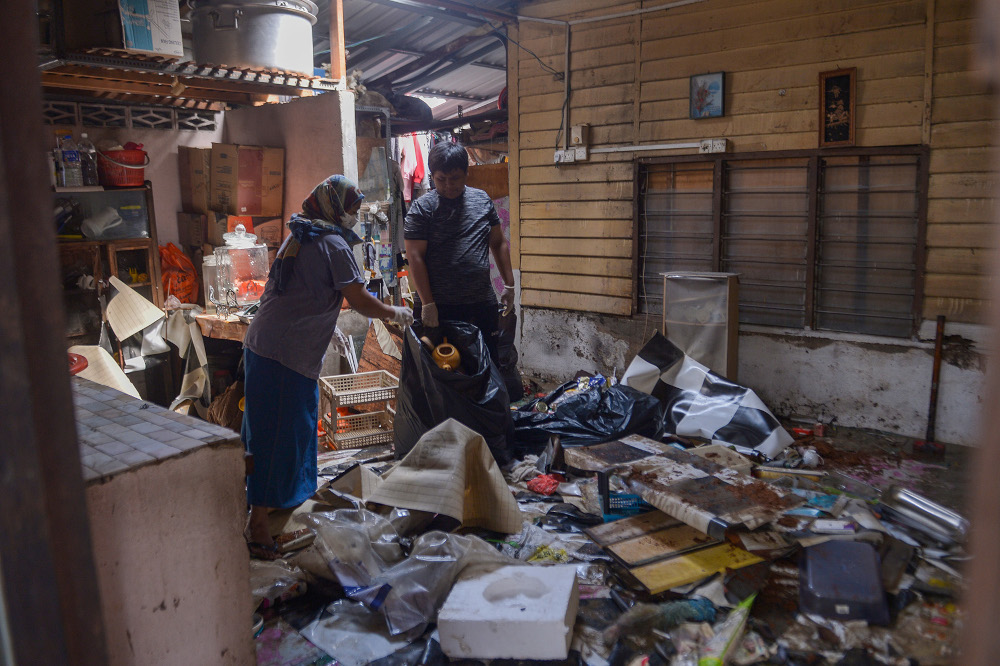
[[102, 369], [451, 471], [129, 312]]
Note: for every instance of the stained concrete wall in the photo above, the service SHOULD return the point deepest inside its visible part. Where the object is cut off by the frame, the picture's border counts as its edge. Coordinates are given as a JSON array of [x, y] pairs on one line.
[[172, 565], [848, 380]]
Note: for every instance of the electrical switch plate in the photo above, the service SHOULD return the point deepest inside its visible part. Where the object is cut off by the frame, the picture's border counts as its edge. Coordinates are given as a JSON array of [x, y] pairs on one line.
[[581, 153], [713, 145], [565, 156]]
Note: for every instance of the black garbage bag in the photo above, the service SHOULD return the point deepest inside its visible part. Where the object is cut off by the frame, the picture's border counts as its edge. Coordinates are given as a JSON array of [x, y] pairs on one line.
[[475, 396], [507, 354], [598, 414]]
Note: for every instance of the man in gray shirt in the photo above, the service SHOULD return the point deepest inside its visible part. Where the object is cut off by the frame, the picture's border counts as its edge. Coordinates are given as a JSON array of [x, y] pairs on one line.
[[449, 233]]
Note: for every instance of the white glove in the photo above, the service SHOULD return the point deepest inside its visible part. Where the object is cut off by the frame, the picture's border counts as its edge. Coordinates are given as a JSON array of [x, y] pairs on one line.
[[340, 342], [402, 315], [429, 315], [507, 299]]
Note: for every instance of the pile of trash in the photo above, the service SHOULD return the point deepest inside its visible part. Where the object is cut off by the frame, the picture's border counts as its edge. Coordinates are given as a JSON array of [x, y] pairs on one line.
[[667, 518]]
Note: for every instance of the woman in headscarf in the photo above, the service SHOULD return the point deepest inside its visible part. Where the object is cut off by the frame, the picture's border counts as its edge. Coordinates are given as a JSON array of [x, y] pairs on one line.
[[313, 272]]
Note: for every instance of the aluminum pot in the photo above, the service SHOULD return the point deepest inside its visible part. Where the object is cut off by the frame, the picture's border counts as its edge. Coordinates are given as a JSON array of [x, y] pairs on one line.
[[263, 34]]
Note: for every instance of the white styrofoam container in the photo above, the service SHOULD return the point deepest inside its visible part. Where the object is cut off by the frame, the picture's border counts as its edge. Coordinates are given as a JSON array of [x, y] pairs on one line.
[[513, 612]]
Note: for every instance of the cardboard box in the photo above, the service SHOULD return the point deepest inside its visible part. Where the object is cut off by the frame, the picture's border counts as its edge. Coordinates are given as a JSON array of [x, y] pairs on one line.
[[141, 26], [269, 232], [192, 229], [247, 180], [233, 220], [195, 167], [216, 225]]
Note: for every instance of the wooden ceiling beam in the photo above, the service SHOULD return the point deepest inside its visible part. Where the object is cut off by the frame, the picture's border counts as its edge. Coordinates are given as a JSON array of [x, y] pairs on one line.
[[163, 90]]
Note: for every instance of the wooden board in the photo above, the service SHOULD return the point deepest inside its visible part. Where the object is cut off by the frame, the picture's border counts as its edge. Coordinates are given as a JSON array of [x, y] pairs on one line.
[[660, 545], [212, 326], [492, 178], [905, 51], [628, 528], [691, 567], [600, 457]]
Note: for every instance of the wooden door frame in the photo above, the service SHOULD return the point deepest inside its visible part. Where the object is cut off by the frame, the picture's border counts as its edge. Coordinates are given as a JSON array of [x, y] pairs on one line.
[[51, 608]]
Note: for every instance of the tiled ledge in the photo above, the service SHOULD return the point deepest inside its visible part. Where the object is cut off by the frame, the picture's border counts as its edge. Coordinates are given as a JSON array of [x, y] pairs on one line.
[[118, 433]]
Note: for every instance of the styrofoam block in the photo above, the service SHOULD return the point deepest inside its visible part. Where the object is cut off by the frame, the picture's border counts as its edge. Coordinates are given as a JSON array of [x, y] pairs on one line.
[[513, 612]]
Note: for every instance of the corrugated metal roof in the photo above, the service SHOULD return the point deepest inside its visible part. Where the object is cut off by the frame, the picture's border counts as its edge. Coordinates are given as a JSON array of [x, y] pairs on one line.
[[384, 36]]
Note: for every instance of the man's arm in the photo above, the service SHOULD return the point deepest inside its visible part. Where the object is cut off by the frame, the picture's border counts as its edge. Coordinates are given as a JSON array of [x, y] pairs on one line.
[[415, 252], [501, 254]]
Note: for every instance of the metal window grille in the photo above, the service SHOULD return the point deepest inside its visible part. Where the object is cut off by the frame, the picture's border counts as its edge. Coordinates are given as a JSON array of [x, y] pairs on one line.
[[676, 226], [866, 264], [831, 241], [765, 219]]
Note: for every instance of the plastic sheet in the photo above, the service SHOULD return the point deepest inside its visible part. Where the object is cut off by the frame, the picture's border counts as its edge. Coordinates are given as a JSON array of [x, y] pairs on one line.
[[474, 396], [597, 414], [275, 581], [363, 552], [352, 634], [699, 403]]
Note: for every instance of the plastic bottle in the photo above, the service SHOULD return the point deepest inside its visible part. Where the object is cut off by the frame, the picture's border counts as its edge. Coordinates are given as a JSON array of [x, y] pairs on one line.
[[88, 160], [72, 169]]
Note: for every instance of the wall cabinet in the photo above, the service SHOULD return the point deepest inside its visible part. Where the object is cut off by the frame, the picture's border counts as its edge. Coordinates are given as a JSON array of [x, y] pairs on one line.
[[124, 247]]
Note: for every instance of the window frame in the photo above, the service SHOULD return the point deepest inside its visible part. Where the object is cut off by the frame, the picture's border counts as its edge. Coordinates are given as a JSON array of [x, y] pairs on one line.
[[813, 157]]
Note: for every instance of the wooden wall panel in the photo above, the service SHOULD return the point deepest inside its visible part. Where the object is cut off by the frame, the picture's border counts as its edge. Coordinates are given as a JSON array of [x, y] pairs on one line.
[[630, 80]]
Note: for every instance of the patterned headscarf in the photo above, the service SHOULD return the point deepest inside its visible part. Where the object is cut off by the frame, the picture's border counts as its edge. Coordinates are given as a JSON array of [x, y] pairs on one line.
[[323, 212]]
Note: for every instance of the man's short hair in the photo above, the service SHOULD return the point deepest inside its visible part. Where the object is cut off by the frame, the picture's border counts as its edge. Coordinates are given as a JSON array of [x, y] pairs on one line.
[[447, 157]]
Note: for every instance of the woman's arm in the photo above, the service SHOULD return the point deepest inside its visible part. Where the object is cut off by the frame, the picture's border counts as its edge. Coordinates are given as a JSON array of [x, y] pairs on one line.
[[368, 305]]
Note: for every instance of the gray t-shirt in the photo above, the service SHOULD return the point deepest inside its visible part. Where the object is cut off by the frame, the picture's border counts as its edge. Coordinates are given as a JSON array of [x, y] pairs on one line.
[[295, 326], [457, 232]]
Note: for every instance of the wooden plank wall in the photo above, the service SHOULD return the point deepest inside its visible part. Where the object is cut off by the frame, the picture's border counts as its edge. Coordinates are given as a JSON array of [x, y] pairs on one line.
[[630, 83]]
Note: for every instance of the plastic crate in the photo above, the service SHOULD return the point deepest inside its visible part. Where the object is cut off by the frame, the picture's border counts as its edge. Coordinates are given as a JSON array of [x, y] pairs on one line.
[[360, 430], [624, 505], [359, 388]]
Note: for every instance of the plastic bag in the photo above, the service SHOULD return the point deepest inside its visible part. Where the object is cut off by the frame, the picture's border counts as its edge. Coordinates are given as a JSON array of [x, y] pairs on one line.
[[595, 415], [179, 276], [474, 395], [274, 582], [363, 552]]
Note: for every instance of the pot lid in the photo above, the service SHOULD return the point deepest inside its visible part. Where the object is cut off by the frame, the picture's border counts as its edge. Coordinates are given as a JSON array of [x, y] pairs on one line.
[[239, 238]]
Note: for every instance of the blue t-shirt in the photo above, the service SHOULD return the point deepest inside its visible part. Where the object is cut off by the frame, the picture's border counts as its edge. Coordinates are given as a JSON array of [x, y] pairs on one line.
[[294, 327]]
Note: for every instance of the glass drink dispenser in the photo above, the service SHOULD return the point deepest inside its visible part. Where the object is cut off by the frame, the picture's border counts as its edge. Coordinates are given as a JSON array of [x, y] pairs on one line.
[[242, 268]]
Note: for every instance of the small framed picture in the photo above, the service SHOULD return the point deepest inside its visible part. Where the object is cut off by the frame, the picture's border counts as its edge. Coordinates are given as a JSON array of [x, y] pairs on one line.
[[708, 95], [836, 107]]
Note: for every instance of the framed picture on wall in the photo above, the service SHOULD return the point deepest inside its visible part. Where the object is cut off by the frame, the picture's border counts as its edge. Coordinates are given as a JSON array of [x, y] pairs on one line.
[[836, 108], [707, 95]]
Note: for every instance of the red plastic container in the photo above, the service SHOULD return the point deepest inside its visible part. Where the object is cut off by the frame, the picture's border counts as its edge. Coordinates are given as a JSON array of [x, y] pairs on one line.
[[122, 168]]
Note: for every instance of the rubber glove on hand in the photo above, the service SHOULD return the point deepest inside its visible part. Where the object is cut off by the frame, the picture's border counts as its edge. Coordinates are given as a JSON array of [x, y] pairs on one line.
[[402, 315], [340, 342], [507, 299], [429, 315]]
